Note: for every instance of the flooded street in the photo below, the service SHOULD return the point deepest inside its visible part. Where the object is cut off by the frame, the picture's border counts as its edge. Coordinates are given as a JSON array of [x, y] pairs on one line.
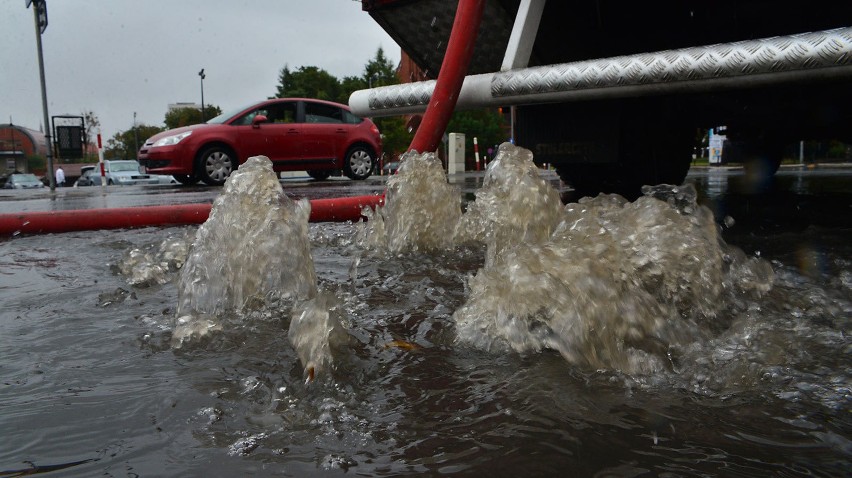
[[726, 349]]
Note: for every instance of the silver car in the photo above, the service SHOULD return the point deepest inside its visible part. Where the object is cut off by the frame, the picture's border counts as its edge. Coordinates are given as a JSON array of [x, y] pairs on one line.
[[125, 172], [23, 181]]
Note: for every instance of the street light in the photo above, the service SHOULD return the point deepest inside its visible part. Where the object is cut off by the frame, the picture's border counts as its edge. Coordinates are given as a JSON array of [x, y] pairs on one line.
[[40, 16], [135, 135], [202, 75]]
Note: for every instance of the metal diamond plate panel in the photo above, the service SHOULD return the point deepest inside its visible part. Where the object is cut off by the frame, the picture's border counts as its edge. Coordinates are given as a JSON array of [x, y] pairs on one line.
[[423, 28], [397, 96], [783, 54], [805, 51]]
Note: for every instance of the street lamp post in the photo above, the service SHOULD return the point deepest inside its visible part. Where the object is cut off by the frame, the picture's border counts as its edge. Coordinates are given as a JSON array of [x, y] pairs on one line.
[[202, 75], [40, 14], [135, 135]]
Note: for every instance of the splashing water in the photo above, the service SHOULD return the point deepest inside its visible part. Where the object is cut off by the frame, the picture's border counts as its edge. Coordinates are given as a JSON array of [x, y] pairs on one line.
[[316, 329], [421, 210], [252, 252], [512, 179], [605, 282], [151, 265]]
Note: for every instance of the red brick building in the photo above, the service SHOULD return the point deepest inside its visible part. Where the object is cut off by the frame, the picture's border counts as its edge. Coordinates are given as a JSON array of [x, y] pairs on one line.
[[16, 145]]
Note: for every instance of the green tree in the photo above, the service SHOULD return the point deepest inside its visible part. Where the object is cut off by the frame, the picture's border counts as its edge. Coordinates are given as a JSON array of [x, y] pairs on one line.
[[395, 136], [93, 125], [124, 143], [348, 85], [380, 71], [180, 117], [307, 82]]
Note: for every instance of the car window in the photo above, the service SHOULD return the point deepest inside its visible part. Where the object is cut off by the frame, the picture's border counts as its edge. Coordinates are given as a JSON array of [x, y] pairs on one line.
[[321, 113], [222, 118], [281, 113], [24, 179], [247, 118], [275, 113], [349, 118], [129, 166]]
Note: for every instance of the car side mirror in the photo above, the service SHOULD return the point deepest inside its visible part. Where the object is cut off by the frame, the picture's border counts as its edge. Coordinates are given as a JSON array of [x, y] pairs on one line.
[[255, 122]]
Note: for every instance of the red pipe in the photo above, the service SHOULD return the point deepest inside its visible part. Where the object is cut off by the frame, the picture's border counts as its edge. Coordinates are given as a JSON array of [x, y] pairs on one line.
[[343, 209], [450, 78], [44, 222]]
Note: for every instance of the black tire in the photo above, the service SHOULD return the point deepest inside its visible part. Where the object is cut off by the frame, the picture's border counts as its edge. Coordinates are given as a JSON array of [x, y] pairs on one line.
[[359, 162], [214, 165], [185, 179], [319, 174]]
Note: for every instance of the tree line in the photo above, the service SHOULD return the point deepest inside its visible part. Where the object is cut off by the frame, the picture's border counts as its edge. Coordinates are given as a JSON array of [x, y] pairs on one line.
[[315, 82]]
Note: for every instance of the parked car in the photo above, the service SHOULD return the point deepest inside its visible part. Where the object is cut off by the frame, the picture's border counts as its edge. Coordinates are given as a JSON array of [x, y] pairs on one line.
[[23, 181], [89, 176], [164, 178], [297, 134], [125, 172], [391, 167]]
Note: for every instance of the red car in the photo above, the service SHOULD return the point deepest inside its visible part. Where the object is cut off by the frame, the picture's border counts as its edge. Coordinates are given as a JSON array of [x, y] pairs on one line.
[[296, 134]]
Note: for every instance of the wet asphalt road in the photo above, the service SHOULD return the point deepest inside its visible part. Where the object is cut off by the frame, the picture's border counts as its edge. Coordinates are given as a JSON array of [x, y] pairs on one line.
[[797, 197], [94, 197]]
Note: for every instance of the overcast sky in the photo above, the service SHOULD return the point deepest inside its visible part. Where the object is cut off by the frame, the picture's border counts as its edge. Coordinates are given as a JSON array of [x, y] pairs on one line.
[[117, 57]]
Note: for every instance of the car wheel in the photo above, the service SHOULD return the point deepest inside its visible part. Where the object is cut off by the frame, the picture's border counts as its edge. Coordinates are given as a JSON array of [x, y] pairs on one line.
[[358, 163], [215, 164], [319, 175], [185, 179]]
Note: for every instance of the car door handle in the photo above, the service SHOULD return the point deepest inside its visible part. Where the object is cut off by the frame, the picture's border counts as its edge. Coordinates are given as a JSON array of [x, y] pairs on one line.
[[292, 131], [341, 130]]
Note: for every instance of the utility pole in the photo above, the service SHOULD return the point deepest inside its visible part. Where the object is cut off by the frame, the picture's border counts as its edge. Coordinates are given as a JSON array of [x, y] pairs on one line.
[[202, 75], [40, 15], [135, 136]]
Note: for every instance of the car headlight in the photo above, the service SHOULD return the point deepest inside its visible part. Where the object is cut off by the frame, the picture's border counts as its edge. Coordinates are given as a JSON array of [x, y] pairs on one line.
[[171, 140]]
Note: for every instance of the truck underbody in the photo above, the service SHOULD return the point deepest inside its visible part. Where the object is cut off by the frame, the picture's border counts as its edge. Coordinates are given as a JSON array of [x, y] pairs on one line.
[[613, 94]]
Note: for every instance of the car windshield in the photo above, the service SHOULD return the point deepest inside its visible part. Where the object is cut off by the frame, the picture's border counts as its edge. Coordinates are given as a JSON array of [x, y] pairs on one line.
[[124, 166], [222, 118], [24, 179]]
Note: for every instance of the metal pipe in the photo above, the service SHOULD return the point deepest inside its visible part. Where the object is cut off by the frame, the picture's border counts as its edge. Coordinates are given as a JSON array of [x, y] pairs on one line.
[[453, 70], [524, 30], [816, 56]]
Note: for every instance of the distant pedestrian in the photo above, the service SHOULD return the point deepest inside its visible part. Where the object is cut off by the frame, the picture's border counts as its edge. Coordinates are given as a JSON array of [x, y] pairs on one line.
[[60, 177]]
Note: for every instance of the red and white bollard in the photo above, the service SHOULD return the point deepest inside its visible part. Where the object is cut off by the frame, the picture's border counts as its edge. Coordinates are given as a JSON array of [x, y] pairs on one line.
[[476, 152], [101, 161]]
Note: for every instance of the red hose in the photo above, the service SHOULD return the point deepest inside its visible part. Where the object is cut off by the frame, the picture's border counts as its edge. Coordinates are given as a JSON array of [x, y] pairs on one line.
[[450, 78], [45, 222]]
